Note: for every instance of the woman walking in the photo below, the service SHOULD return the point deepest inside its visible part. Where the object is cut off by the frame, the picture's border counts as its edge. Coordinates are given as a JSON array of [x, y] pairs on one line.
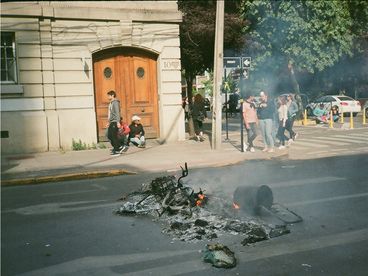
[[283, 116], [250, 120], [292, 112], [198, 115]]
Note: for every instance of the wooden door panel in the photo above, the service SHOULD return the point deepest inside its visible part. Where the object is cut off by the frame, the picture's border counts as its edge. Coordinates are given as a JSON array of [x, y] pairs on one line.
[[104, 82], [142, 100]]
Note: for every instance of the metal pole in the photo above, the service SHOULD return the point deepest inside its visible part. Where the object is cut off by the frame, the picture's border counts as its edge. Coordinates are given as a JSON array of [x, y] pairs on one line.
[[241, 106], [217, 76], [226, 108]]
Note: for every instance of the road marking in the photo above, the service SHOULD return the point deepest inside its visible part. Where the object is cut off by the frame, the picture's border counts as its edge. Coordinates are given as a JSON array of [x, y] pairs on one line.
[[99, 189], [300, 142], [327, 151], [328, 199], [301, 182], [98, 263], [263, 250], [60, 207], [267, 250], [325, 140], [348, 139], [364, 134]]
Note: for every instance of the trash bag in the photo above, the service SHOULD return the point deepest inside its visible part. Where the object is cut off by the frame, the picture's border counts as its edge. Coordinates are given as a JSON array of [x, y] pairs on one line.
[[219, 255]]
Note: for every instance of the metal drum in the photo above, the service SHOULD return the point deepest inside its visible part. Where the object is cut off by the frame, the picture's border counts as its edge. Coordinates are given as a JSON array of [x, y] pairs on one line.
[[252, 198]]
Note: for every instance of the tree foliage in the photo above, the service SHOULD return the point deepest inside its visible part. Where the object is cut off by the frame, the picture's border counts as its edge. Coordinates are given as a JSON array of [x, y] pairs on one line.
[[312, 36]]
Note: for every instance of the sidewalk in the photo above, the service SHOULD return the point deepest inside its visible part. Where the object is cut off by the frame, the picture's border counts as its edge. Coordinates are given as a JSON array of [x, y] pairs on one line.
[[60, 166]]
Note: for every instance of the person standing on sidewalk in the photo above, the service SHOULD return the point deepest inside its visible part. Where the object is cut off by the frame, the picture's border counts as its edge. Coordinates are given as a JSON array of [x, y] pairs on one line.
[[114, 123], [198, 114], [265, 112], [283, 116], [292, 112], [250, 120]]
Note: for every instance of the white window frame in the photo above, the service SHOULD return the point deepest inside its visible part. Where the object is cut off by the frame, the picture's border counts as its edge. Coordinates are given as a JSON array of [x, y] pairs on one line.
[[14, 58]]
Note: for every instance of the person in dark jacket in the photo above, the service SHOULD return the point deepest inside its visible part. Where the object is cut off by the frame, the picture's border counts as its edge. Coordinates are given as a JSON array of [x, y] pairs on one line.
[[114, 122], [198, 114], [136, 134], [266, 112]]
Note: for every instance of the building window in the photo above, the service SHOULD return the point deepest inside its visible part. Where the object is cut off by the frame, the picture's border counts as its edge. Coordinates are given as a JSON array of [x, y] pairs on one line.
[[8, 58]]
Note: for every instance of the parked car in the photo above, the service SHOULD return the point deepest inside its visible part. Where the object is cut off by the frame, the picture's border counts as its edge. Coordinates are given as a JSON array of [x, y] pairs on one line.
[[365, 108], [343, 104]]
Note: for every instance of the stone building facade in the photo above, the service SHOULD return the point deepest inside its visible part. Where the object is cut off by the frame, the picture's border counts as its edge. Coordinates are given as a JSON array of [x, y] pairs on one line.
[[59, 59]]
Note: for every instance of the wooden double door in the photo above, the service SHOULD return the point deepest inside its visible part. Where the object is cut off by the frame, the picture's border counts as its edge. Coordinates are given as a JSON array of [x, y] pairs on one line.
[[133, 76]]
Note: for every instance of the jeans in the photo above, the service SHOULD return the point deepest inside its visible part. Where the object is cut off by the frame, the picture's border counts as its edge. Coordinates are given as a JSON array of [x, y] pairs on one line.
[[281, 134], [138, 141], [289, 127], [252, 133], [266, 126]]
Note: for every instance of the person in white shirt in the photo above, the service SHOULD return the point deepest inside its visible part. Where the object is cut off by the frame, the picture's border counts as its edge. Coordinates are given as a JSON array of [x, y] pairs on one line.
[[283, 116]]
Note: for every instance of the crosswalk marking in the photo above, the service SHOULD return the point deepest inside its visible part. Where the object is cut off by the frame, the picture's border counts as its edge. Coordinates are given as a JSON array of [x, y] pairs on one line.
[[329, 199], [365, 134], [349, 140], [352, 138], [301, 142], [325, 151], [327, 141], [301, 182]]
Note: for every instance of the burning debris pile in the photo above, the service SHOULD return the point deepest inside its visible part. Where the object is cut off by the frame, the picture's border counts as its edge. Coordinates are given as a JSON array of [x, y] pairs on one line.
[[189, 215]]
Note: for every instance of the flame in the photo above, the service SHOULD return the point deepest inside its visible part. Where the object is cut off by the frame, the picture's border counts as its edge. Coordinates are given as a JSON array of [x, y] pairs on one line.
[[200, 199], [236, 206]]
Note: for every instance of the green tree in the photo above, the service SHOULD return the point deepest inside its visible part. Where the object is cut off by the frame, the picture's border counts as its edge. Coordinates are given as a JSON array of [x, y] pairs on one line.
[[297, 36]]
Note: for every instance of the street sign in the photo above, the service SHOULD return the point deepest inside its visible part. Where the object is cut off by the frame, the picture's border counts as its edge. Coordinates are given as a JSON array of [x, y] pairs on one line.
[[245, 73], [246, 62], [235, 73], [231, 62]]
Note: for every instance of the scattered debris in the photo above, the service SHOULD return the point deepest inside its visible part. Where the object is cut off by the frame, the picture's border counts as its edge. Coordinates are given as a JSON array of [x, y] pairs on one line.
[[192, 216], [279, 230], [219, 255]]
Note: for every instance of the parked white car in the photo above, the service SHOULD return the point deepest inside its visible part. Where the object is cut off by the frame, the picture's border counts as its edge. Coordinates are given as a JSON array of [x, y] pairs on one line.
[[343, 104]]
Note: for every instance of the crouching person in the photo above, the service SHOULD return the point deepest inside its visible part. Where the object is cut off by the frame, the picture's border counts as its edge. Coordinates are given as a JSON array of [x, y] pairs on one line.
[[123, 135], [136, 134]]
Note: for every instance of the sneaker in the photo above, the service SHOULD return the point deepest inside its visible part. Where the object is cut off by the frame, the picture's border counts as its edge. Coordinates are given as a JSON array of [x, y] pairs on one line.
[[251, 149], [282, 147], [271, 150], [265, 149], [295, 136], [123, 149], [289, 142], [115, 153]]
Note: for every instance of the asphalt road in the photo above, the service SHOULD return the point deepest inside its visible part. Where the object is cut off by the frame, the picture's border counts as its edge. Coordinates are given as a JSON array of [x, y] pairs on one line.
[[69, 228]]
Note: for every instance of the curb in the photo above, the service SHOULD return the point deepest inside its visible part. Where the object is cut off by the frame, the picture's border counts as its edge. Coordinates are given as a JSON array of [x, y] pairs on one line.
[[64, 177]]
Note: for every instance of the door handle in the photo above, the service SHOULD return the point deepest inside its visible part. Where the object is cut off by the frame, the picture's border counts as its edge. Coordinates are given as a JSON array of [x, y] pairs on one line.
[[142, 110]]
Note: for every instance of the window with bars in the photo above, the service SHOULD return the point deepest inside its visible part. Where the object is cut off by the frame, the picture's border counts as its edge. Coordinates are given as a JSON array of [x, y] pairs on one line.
[[8, 58]]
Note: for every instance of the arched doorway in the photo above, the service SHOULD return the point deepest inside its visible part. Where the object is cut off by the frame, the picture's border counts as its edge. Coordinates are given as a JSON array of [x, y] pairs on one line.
[[132, 74]]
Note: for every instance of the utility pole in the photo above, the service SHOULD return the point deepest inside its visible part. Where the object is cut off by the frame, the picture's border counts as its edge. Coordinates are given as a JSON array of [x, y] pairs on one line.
[[217, 76]]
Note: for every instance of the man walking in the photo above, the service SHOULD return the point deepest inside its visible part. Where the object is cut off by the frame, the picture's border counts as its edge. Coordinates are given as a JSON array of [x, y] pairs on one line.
[[266, 111], [250, 120], [114, 123]]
